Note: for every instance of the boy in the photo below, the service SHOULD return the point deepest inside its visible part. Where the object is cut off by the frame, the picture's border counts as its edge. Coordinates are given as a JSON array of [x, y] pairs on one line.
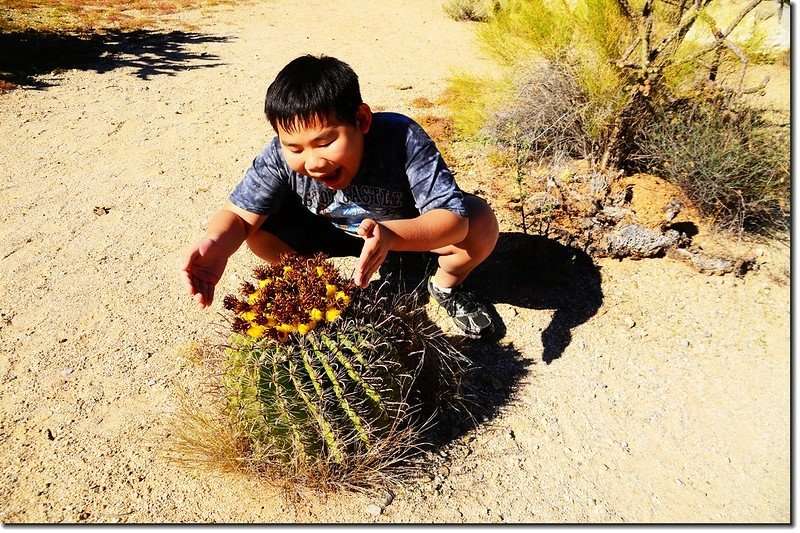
[[344, 181]]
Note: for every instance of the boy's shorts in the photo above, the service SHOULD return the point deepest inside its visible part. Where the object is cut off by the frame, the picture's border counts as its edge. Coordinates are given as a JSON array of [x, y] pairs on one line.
[[308, 233]]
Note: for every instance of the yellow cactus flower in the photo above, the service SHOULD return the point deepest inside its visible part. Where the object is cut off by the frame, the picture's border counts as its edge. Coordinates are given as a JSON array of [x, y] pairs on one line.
[[287, 269], [248, 315], [253, 297], [315, 314], [302, 329], [332, 314], [264, 282], [330, 290], [343, 297], [285, 328], [256, 331], [320, 271]]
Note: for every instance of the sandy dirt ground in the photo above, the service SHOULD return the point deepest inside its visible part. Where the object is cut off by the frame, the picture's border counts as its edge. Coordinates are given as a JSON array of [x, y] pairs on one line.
[[635, 391]]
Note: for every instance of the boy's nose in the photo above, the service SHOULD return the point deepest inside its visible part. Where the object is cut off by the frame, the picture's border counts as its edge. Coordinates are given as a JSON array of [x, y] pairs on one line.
[[316, 164]]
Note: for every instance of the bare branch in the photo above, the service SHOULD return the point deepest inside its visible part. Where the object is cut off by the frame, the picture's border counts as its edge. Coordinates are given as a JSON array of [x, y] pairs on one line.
[[747, 9], [720, 36], [647, 31], [743, 58], [625, 7], [621, 61]]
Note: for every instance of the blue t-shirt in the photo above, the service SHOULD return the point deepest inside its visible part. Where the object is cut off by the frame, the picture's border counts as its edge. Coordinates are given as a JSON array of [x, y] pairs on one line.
[[401, 175]]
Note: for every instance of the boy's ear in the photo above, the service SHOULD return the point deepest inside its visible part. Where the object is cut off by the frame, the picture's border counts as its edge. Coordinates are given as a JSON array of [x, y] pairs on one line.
[[363, 118]]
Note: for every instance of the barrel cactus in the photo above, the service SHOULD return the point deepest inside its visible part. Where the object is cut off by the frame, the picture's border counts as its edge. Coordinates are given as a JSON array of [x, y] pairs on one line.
[[320, 378]]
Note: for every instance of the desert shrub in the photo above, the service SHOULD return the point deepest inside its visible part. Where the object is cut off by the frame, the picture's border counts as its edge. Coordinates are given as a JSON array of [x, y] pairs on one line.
[[732, 161], [322, 385], [550, 114], [588, 77], [472, 101], [467, 10]]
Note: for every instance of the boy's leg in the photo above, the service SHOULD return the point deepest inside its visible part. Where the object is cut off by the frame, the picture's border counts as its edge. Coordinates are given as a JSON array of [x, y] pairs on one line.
[[457, 261], [295, 229]]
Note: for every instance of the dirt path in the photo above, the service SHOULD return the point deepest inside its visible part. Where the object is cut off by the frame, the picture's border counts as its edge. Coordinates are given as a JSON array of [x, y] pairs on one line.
[[666, 397]]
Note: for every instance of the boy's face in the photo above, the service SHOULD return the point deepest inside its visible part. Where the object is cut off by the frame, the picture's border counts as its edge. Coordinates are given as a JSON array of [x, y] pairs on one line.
[[327, 150]]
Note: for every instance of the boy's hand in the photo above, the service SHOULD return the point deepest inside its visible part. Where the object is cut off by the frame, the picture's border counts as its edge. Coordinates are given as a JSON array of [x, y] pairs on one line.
[[201, 269], [377, 243]]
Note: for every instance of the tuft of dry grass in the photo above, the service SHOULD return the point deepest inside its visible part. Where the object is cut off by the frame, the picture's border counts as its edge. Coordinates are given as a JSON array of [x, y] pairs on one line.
[[95, 15], [468, 10]]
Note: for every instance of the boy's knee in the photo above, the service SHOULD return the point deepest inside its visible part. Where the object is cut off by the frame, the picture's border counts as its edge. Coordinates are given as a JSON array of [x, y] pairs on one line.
[[483, 225], [267, 246]]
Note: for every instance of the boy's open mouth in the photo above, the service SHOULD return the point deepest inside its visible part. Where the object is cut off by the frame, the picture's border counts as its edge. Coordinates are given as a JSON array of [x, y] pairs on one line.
[[332, 178]]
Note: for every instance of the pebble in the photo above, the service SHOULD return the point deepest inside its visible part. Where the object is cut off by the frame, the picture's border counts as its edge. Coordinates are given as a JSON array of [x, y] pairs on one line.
[[67, 371], [373, 509], [151, 382], [443, 471], [629, 321]]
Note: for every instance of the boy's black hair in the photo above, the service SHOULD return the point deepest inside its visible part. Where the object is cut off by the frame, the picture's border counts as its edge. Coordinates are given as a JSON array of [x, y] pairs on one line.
[[310, 88]]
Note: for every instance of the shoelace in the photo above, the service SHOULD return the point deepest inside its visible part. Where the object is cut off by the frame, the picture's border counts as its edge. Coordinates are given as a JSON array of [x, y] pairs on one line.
[[460, 301]]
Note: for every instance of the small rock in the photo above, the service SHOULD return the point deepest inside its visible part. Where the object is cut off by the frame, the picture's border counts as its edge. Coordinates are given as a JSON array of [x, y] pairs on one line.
[[443, 471], [67, 371], [387, 501], [629, 321], [151, 382], [373, 509]]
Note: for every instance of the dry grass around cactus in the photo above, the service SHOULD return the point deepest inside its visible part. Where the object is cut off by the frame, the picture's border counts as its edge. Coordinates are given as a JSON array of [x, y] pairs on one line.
[[336, 405]]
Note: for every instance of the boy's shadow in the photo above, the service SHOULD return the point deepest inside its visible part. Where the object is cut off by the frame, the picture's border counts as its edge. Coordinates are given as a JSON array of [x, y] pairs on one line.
[[527, 271], [524, 271]]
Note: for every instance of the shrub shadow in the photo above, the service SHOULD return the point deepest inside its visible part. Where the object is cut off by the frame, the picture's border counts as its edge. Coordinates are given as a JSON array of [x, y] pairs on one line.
[[535, 272], [30, 53]]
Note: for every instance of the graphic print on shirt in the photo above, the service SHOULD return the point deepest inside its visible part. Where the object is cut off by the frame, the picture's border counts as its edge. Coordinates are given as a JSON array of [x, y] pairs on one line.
[[347, 211]]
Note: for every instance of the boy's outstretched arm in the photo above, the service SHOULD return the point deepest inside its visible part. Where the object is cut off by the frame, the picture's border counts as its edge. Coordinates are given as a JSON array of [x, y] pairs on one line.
[[432, 230], [204, 262]]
